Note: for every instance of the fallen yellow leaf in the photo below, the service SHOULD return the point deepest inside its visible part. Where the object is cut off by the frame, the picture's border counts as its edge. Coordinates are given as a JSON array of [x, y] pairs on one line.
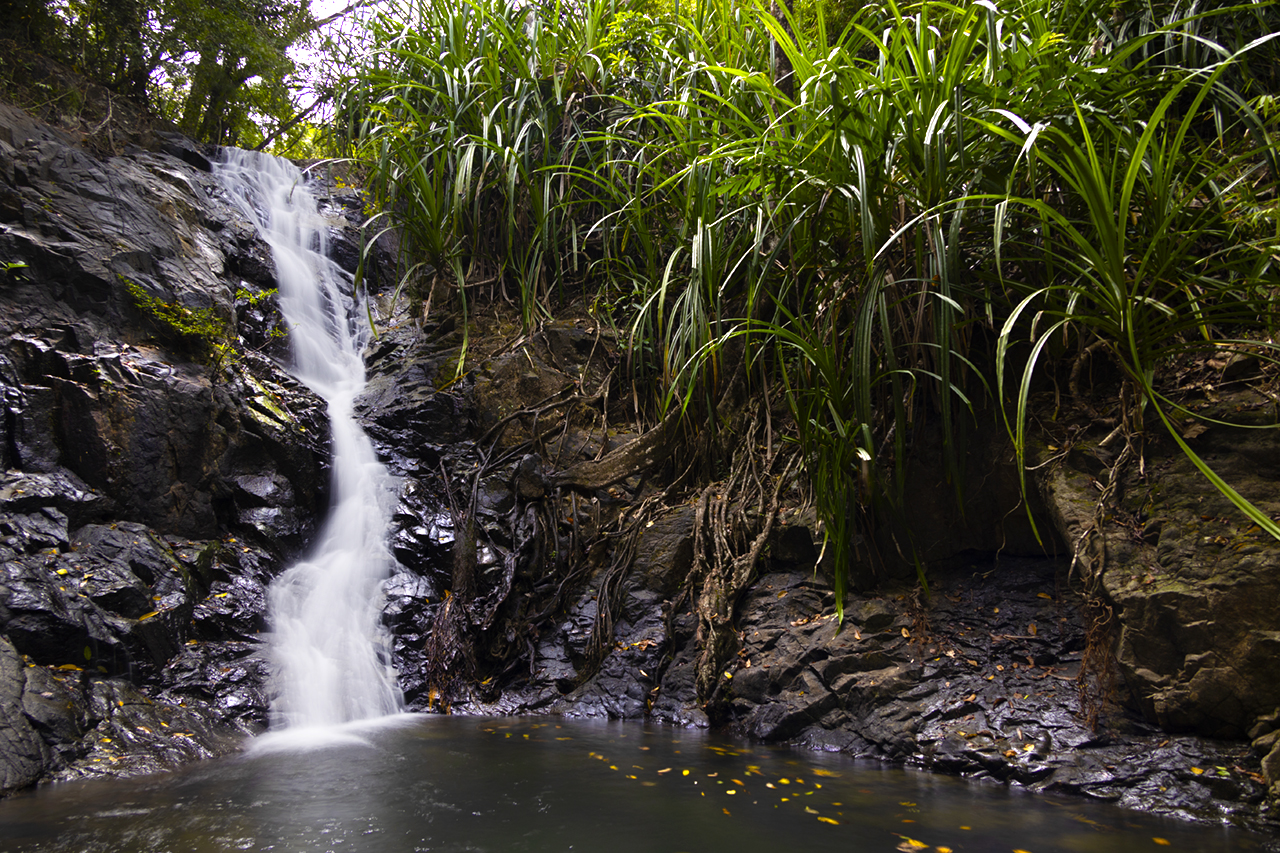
[[829, 820], [1163, 842]]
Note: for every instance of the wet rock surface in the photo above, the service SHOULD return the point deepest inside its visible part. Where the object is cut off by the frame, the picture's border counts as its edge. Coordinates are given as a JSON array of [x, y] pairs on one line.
[[158, 466], [1192, 581], [982, 678], [154, 482]]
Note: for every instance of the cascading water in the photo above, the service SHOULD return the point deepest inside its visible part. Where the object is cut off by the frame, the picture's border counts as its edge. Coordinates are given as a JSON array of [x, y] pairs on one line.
[[325, 611]]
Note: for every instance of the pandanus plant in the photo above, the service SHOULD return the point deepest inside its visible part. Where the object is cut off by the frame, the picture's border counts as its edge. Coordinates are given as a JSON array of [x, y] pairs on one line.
[[820, 203]]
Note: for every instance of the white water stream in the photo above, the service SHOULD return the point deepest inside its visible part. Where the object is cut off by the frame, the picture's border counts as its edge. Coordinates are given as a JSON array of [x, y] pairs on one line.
[[327, 643]]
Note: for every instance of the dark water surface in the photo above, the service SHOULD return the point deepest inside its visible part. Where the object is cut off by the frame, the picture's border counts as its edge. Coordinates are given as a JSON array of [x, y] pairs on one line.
[[468, 784]]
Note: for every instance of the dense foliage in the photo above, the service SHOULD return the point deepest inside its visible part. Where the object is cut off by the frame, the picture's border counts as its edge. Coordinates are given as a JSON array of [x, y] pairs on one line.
[[938, 202], [219, 69]]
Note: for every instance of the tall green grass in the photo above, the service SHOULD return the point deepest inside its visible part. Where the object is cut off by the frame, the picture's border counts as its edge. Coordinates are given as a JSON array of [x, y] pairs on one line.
[[881, 220]]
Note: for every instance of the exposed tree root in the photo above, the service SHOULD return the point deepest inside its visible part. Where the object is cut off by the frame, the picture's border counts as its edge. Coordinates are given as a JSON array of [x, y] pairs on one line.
[[726, 552]]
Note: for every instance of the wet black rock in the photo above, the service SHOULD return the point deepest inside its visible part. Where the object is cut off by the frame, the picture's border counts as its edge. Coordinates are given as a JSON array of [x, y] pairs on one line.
[[154, 477]]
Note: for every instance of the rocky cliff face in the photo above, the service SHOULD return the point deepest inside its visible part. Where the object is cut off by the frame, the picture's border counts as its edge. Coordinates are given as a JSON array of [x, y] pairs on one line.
[[159, 468], [156, 463], [996, 674]]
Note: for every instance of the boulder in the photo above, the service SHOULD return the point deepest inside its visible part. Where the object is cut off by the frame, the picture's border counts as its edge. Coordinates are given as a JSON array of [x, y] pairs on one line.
[[1191, 580]]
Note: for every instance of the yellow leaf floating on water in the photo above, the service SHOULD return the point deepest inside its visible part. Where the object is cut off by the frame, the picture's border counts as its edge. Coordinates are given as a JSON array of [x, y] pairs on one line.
[[822, 771], [911, 844], [944, 849], [726, 811], [1163, 842], [908, 805], [810, 811], [784, 781], [1019, 850], [731, 791], [829, 820], [664, 770], [684, 772]]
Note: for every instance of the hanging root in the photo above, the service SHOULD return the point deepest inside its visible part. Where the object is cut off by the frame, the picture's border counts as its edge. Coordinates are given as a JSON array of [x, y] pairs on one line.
[[725, 554], [1096, 681], [448, 646]]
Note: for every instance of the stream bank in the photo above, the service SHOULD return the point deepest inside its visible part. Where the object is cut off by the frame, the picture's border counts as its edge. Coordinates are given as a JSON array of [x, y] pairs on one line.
[[157, 476]]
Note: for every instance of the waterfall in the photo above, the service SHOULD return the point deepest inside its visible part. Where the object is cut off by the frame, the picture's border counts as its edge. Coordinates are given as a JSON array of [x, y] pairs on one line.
[[327, 643]]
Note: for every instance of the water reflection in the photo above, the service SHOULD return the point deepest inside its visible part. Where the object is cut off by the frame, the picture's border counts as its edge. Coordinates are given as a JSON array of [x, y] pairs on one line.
[[458, 784]]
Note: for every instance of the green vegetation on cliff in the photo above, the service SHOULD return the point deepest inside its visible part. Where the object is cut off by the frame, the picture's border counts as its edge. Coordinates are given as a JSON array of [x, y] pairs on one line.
[[940, 202]]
